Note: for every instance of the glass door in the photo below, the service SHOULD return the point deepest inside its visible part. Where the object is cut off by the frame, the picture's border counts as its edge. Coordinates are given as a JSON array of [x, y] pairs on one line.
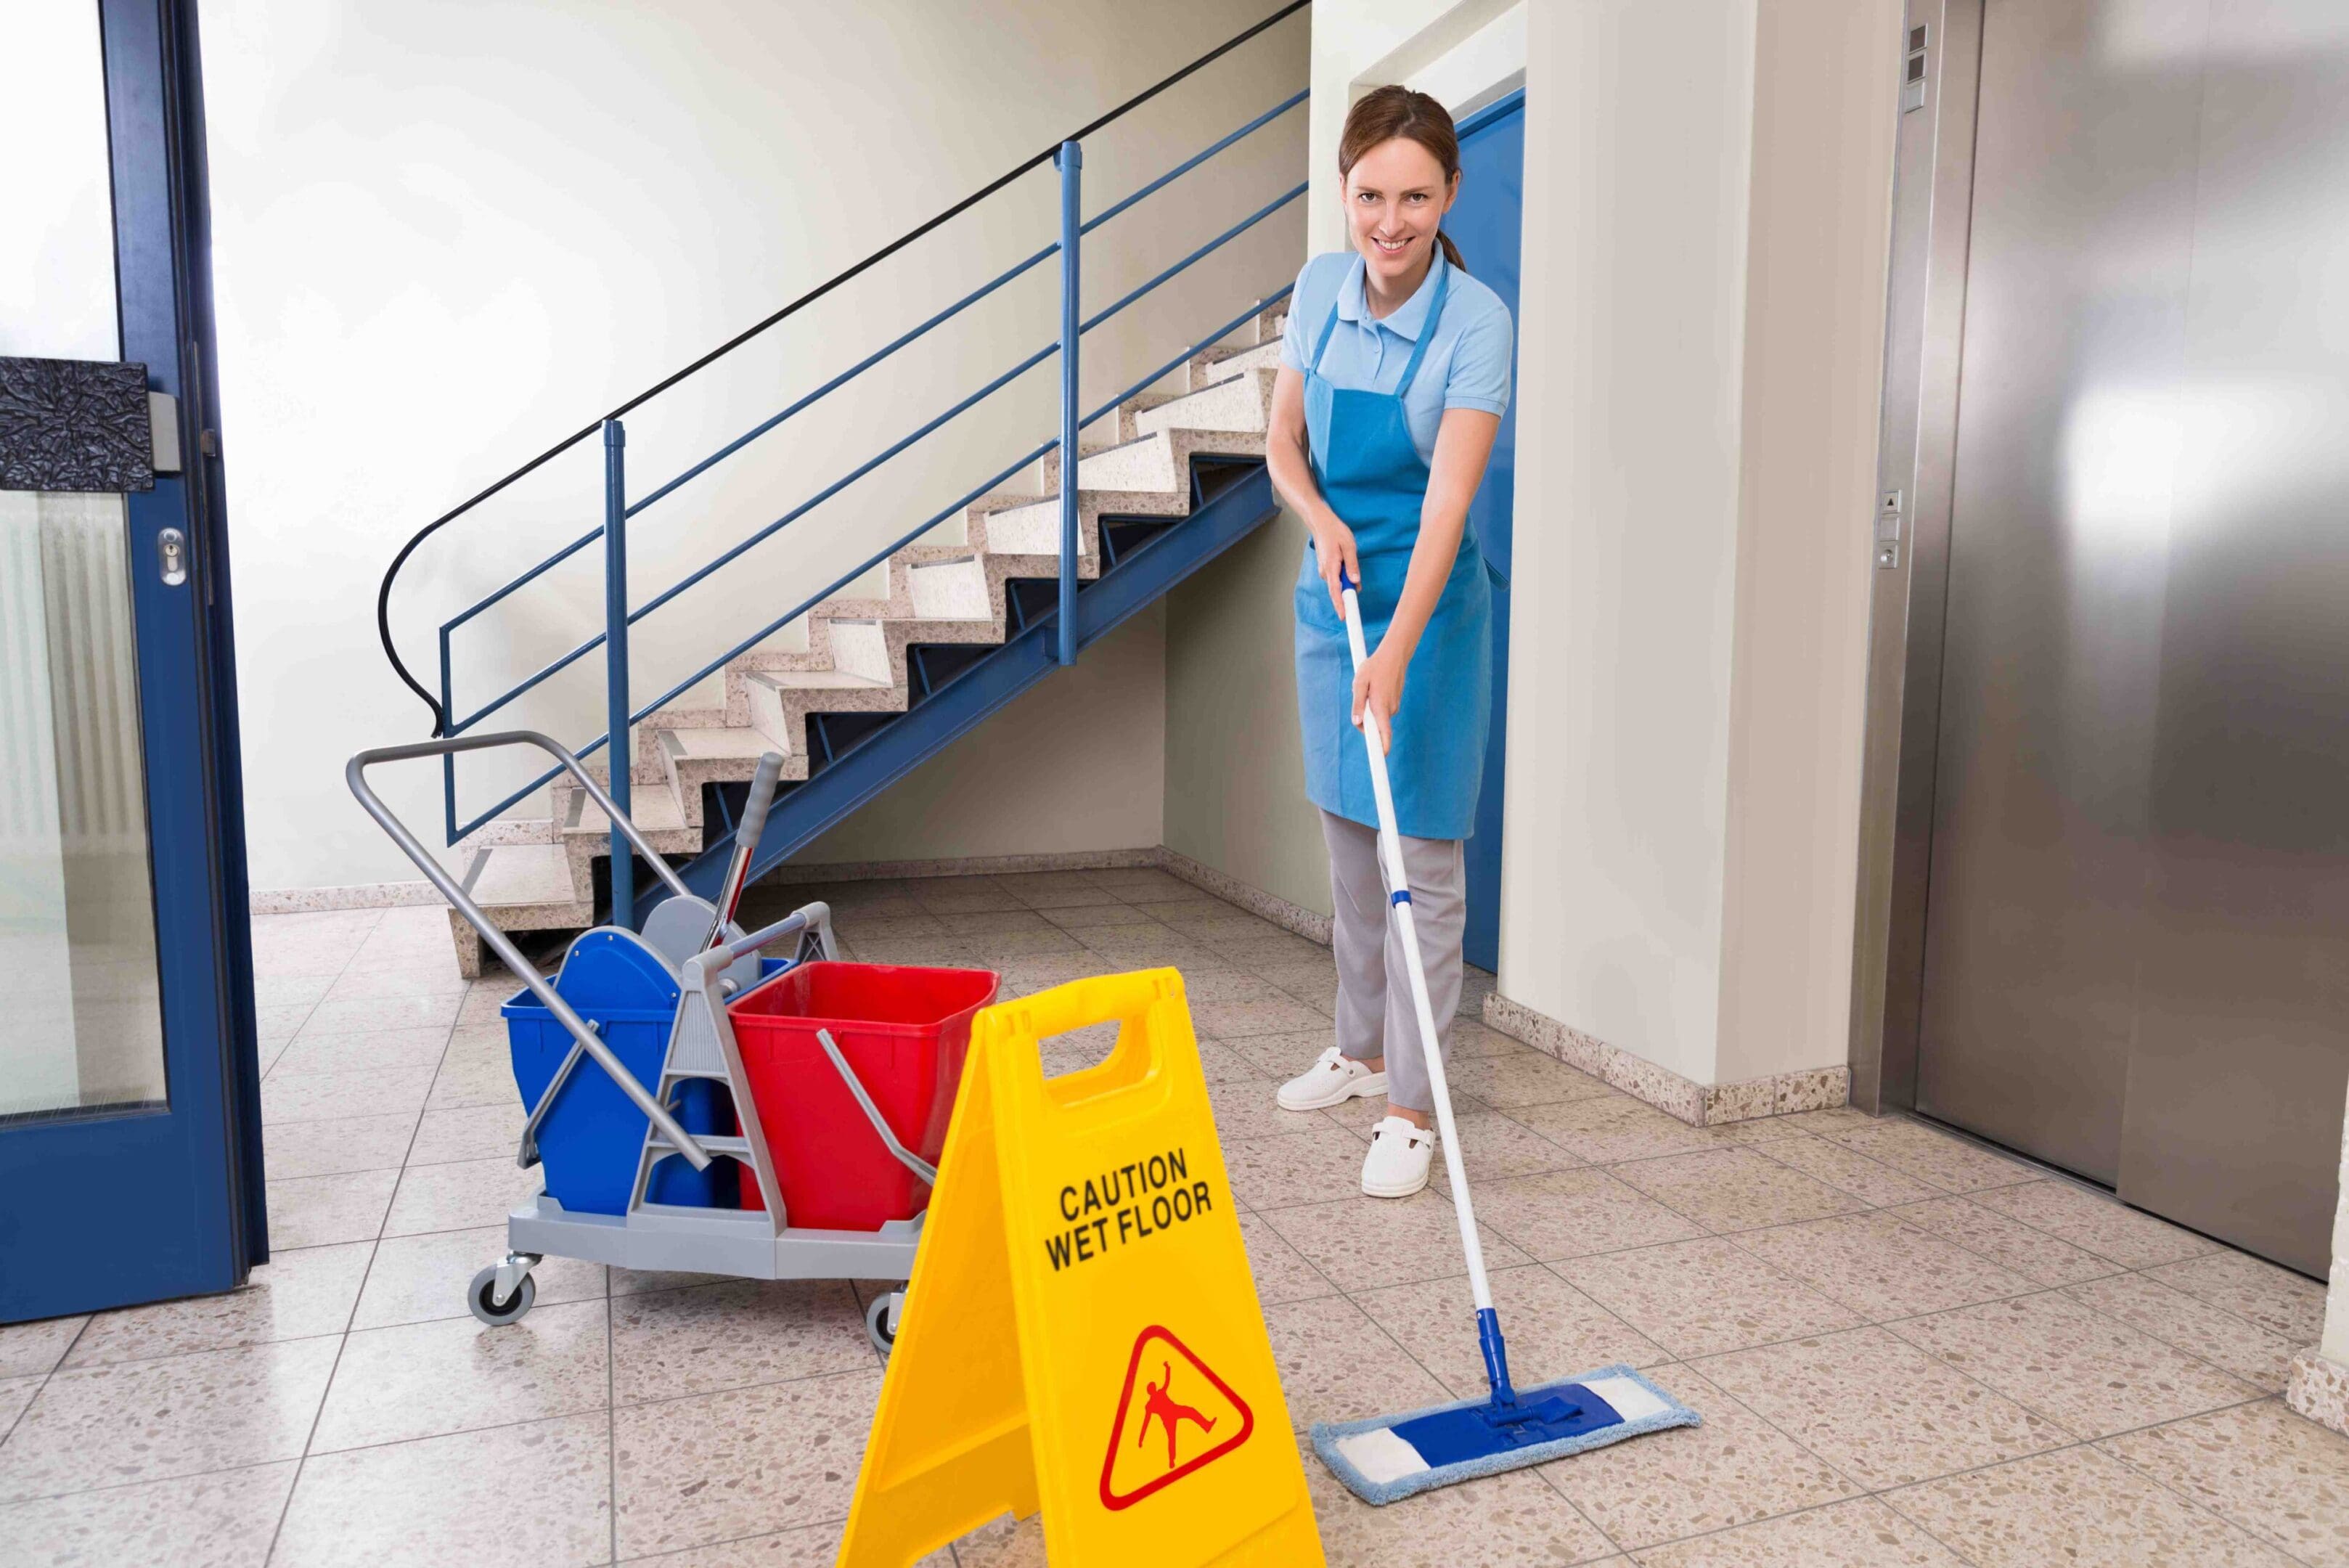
[[127, 1111]]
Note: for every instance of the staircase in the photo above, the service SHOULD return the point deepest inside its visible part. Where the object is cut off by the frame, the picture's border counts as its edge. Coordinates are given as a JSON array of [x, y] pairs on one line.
[[885, 681]]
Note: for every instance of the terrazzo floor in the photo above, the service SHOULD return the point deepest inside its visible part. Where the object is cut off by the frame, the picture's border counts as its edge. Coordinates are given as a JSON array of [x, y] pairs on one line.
[[1907, 1349]]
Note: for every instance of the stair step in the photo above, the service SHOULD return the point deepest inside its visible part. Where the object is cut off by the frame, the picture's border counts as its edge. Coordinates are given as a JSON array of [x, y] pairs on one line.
[[1241, 402], [815, 680], [1219, 365], [654, 808], [511, 873]]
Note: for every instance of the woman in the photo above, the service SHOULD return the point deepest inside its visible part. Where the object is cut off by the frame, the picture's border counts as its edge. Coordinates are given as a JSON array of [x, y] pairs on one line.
[[1393, 376]]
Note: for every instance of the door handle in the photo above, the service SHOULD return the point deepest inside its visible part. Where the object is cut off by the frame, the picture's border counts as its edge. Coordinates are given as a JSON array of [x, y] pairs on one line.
[[171, 557]]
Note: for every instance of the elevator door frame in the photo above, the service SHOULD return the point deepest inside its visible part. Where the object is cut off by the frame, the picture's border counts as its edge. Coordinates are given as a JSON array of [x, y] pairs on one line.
[[1916, 461]]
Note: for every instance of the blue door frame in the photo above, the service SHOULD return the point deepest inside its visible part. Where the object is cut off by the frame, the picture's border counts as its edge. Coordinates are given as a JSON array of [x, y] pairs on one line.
[[1488, 224], [111, 1209]]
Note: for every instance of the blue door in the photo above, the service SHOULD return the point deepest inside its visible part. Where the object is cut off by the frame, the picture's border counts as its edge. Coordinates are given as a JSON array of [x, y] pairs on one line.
[[1488, 224], [129, 1159]]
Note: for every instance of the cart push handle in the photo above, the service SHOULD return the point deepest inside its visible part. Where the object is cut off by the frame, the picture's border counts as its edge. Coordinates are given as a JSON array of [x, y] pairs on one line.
[[355, 774]]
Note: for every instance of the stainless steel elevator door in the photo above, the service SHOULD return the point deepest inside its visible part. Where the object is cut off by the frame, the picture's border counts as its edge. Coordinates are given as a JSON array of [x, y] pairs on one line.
[[2136, 937]]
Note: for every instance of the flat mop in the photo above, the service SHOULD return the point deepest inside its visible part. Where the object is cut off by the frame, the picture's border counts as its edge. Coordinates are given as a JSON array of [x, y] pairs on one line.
[[1392, 1457]]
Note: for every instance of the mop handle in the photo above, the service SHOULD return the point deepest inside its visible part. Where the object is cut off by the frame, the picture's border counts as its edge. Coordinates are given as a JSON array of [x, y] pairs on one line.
[[1398, 905]]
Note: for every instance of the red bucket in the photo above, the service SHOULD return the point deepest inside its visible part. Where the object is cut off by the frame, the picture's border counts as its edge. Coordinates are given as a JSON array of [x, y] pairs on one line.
[[905, 1031]]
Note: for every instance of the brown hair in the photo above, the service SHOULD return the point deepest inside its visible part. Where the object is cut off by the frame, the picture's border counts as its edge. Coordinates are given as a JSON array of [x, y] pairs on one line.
[[1385, 113]]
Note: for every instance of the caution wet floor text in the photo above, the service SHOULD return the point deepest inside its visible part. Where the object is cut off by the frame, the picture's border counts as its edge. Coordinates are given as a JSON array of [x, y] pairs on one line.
[[1082, 1332]]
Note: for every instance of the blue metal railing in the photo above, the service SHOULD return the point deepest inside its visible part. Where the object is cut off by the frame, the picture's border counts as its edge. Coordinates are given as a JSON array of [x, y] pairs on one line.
[[619, 617]]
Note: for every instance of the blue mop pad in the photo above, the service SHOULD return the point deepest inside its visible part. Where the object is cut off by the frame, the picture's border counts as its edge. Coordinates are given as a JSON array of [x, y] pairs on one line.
[[1392, 1457]]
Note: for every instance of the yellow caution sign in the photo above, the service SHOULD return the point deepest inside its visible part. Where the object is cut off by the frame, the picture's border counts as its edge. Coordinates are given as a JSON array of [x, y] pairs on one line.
[[1082, 1332]]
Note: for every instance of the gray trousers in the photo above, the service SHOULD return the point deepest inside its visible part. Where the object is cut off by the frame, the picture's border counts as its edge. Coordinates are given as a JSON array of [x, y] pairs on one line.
[[1375, 1016]]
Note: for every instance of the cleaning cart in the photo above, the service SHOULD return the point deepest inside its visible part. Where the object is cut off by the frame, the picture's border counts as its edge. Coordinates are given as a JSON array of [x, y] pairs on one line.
[[769, 1145]]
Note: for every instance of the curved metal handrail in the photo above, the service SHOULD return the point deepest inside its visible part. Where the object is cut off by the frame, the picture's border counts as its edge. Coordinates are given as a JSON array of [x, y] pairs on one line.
[[383, 593]]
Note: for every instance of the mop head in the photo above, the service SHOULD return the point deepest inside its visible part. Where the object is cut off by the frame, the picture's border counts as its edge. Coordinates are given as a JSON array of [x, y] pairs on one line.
[[1392, 1457]]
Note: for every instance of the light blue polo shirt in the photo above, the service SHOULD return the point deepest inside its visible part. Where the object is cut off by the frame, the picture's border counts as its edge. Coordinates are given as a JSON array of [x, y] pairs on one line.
[[1467, 364]]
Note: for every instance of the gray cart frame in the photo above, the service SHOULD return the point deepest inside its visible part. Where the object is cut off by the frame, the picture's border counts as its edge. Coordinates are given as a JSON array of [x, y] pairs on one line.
[[744, 1244]]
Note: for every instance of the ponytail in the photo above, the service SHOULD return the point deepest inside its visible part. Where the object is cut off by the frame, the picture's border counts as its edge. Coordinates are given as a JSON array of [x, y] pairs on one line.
[[1385, 113]]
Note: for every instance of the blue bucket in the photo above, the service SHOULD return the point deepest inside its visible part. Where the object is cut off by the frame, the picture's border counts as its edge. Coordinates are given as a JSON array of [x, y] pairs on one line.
[[591, 1136]]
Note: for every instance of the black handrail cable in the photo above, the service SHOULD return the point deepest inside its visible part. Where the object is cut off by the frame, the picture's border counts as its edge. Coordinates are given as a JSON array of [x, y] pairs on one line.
[[382, 594]]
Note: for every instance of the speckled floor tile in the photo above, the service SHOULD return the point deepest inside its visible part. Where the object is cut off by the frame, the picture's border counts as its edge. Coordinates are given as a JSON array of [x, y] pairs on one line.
[[16, 1394], [1523, 1078], [1880, 1410], [715, 1467], [1364, 1243], [1237, 1019], [1281, 1273], [1733, 1189], [1861, 1533], [372, 1015], [439, 1501], [1881, 1267], [226, 1520], [1495, 1147], [383, 1051], [1555, 1331], [1092, 917], [1932, 1157], [668, 1342], [1055, 889], [1734, 1469], [1571, 1214], [1314, 984], [2096, 1223], [813, 1546], [1473, 1042], [318, 1210], [2281, 1477], [1007, 1542], [1605, 1129], [417, 1278], [1507, 1520], [1704, 1297], [1336, 1365], [334, 1148], [148, 1420], [2257, 1355], [468, 1132], [457, 1375], [2089, 1373], [299, 1294], [460, 1196], [2009, 1243], [1315, 1167], [1247, 1109], [335, 1096], [32, 1349], [1848, 1170], [2277, 1300], [474, 1079], [2078, 1508], [1281, 1057]]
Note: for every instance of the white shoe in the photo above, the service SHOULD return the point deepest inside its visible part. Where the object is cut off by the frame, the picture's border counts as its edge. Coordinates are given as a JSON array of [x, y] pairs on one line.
[[1399, 1154], [1333, 1080]]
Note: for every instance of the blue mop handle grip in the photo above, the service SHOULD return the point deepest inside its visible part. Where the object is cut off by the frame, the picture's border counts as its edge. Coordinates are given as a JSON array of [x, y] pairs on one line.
[[1496, 1354]]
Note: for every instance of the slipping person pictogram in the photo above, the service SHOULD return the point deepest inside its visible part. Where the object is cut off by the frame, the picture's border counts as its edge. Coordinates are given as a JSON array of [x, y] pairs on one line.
[[1161, 1408]]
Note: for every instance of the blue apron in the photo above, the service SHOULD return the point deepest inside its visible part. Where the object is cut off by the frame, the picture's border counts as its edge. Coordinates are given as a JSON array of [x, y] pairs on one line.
[[1374, 479]]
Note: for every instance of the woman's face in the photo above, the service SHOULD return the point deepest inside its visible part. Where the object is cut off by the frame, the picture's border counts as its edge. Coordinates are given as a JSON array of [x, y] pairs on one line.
[[1396, 197]]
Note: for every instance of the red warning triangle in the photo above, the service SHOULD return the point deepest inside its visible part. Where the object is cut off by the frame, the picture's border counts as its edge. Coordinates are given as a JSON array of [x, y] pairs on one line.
[[1184, 1416]]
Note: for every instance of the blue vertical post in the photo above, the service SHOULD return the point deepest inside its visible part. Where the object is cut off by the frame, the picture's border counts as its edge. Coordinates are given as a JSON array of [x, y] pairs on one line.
[[616, 750], [1071, 161]]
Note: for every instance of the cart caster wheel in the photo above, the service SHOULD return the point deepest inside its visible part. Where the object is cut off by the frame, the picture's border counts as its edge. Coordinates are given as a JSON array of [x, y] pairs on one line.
[[880, 1320], [483, 1297]]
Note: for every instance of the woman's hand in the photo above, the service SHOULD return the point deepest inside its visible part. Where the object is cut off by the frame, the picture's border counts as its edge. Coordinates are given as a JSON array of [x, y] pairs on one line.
[[1334, 547], [1378, 685]]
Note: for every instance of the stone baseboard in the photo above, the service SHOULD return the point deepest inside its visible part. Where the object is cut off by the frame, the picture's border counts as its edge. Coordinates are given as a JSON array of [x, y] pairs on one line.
[[2319, 1389], [359, 895], [792, 873], [1698, 1105], [1288, 917]]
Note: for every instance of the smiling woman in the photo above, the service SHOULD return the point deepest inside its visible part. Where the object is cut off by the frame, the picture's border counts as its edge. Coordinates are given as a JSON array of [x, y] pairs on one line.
[[1393, 377]]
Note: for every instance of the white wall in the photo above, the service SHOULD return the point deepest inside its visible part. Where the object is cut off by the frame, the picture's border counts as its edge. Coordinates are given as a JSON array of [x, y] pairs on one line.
[[57, 273], [1638, 123], [1697, 430], [447, 235], [1235, 773]]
